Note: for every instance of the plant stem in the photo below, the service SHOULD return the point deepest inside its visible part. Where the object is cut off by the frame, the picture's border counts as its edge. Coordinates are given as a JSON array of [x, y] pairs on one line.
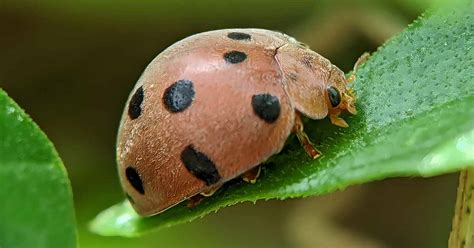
[[462, 234]]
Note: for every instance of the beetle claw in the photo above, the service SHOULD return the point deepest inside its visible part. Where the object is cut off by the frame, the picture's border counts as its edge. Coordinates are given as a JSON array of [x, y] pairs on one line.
[[211, 190], [351, 108], [251, 175], [338, 121]]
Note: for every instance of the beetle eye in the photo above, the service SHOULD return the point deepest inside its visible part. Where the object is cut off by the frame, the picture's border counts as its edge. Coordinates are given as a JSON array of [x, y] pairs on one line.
[[334, 96]]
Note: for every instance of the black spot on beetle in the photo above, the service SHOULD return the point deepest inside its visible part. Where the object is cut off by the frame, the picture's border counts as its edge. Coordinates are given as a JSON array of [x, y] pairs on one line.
[[266, 106], [334, 96], [239, 36], [134, 106], [200, 165], [179, 96], [134, 178], [235, 57]]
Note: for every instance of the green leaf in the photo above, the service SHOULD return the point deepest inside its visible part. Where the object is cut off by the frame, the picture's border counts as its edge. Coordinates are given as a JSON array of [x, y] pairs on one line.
[[36, 208], [416, 118]]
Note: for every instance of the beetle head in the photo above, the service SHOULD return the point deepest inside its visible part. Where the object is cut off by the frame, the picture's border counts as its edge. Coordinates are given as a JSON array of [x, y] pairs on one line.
[[339, 96]]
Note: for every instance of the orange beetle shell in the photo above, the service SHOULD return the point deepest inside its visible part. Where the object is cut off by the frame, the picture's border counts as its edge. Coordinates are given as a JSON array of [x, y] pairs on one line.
[[213, 106]]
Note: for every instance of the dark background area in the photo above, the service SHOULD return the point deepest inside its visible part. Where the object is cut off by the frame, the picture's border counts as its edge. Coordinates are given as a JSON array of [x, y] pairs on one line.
[[71, 66]]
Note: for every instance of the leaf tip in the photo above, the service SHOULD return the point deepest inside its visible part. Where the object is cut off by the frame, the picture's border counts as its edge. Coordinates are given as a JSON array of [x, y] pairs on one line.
[[118, 220]]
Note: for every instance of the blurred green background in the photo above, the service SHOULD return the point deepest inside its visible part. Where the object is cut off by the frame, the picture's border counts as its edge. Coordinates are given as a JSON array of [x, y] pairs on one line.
[[71, 65]]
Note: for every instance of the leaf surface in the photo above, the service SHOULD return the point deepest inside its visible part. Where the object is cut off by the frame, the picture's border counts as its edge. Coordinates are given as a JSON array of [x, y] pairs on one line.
[[36, 208]]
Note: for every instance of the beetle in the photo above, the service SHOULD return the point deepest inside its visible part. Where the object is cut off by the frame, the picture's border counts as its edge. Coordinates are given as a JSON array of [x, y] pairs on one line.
[[214, 106]]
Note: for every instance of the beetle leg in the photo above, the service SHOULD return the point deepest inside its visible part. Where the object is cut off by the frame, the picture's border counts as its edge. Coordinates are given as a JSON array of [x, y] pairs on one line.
[[195, 200], [303, 138], [361, 60], [211, 190], [251, 175]]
